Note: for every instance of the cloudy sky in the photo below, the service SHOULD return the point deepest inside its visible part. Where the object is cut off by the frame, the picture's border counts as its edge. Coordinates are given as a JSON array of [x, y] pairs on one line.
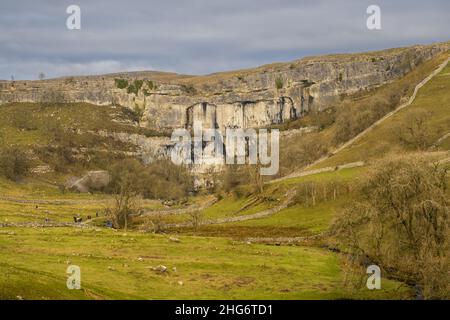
[[201, 36]]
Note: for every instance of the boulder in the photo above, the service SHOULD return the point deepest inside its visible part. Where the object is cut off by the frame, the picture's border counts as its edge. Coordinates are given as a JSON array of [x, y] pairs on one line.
[[92, 181]]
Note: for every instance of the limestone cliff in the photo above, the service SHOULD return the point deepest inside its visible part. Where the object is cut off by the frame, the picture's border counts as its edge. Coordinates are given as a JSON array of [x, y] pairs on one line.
[[248, 98]]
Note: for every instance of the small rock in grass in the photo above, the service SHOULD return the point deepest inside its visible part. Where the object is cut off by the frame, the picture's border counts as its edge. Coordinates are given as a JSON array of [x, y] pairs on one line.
[[180, 283], [173, 239], [159, 268], [174, 269]]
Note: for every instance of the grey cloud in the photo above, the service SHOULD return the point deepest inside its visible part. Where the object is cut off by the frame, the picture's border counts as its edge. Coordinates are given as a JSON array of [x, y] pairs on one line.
[[201, 36]]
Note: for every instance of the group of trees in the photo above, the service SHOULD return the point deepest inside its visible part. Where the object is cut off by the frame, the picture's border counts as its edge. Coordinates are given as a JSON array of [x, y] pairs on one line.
[[240, 180], [14, 162], [353, 118], [402, 223], [309, 193], [132, 181], [296, 153], [160, 179]]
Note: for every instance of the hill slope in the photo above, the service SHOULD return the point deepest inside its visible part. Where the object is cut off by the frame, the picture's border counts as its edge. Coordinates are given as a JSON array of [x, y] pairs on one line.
[[423, 125]]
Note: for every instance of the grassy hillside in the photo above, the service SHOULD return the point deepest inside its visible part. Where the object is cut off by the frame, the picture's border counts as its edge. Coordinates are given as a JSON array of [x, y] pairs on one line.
[[431, 107], [340, 122]]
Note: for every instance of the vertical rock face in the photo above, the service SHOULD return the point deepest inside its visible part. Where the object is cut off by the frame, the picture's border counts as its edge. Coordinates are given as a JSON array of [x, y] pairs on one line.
[[251, 98]]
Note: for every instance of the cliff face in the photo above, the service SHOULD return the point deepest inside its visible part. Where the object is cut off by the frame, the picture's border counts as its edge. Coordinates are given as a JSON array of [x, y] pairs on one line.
[[249, 98]]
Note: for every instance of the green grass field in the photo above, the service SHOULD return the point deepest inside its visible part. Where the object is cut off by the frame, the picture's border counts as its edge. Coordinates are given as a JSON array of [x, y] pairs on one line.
[[117, 266]]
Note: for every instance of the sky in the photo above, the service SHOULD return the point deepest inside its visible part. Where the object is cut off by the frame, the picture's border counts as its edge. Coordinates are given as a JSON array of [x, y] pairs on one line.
[[201, 36]]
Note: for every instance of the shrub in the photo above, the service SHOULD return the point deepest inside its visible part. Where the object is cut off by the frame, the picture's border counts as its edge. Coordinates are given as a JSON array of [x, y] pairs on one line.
[[323, 119], [307, 83], [138, 84], [121, 83], [279, 83], [189, 89], [135, 87], [139, 112], [132, 89], [151, 85], [14, 163], [23, 120]]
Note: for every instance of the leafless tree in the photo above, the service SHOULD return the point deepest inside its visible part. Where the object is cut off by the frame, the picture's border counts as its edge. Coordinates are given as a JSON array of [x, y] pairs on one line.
[[402, 223], [196, 219], [417, 134]]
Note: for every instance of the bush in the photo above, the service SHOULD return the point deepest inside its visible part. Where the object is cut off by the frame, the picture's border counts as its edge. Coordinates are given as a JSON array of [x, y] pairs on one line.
[[323, 119], [151, 85], [121, 83], [132, 89], [189, 89], [23, 121], [138, 84], [135, 87], [279, 83], [14, 163]]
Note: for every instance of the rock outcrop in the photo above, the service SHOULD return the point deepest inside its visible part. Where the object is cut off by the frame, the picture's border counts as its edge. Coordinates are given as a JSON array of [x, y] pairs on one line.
[[92, 181], [249, 98]]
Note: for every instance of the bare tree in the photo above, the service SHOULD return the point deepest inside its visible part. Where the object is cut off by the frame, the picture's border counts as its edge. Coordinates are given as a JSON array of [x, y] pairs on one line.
[[196, 219], [127, 193], [402, 223], [126, 203], [417, 134], [41, 76]]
